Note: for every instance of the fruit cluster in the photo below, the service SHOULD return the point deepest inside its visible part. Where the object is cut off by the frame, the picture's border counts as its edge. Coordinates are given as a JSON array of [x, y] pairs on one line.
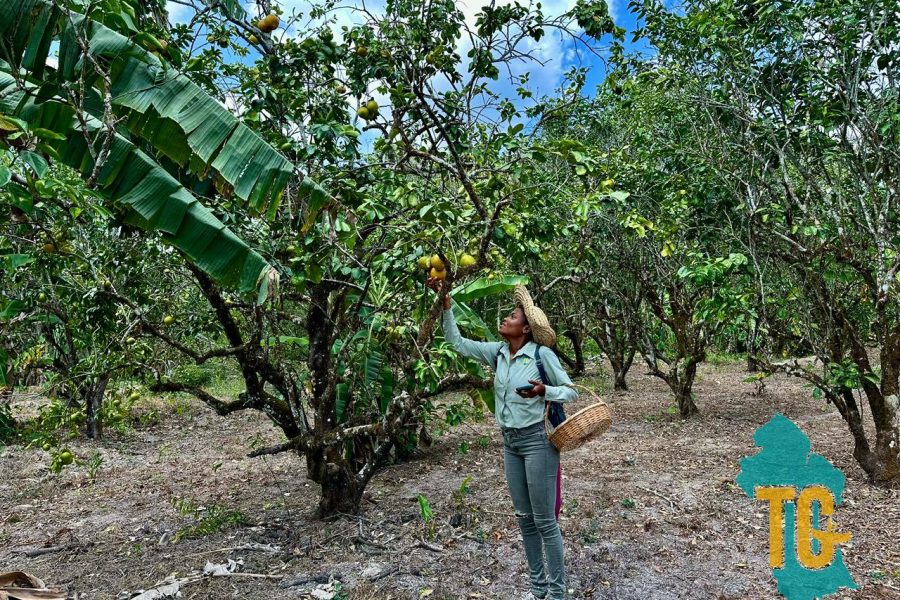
[[368, 111], [436, 268]]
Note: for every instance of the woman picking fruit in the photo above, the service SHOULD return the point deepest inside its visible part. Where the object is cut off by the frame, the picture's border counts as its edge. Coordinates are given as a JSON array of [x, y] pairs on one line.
[[531, 462]]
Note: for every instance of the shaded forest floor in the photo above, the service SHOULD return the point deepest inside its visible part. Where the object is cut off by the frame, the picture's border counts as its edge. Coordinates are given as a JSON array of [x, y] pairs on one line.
[[651, 509]]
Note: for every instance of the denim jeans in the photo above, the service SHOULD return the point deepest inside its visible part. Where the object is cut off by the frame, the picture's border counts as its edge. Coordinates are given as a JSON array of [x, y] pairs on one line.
[[531, 462]]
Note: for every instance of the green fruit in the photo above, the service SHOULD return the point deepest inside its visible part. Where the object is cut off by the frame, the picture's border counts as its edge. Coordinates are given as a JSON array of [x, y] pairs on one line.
[[286, 146], [372, 105], [65, 457], [42, 297], [341, 89], [168, 320], [424, 262], [363, 112], [134, 395], [130, 340], [362, 51], [46, 446]]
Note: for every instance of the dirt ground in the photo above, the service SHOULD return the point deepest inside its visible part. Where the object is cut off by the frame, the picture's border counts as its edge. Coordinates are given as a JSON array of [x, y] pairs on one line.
[[651, 509]]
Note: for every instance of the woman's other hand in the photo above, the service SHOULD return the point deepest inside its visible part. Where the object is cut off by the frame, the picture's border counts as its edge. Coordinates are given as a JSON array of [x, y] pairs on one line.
[[537, 390], [438, 285]]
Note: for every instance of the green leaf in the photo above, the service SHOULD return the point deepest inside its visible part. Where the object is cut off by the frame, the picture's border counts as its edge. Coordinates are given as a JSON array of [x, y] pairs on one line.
[[37, 162], [343, 397], [11, 309], [5, 176]]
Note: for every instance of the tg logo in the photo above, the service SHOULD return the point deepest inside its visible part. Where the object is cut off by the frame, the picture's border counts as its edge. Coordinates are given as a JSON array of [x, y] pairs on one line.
[[798, 486], [817, 496]]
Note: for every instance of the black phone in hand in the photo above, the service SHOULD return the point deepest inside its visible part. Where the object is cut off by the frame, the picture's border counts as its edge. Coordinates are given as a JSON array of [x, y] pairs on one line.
[[525, 388]]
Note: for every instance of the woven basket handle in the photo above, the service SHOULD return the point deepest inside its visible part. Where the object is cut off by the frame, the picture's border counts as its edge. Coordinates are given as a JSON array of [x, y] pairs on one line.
[[588, 390]]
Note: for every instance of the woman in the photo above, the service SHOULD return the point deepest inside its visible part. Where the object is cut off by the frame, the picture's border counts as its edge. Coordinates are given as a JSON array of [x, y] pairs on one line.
[[530, 460]]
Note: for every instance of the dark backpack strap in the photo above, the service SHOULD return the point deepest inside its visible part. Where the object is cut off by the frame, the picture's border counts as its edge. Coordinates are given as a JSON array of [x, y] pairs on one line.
[[497, 357], [540, 366], [557, 413]]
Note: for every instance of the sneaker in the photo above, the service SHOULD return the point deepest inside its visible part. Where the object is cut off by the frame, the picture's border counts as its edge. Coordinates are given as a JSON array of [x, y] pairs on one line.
[[531, 596]]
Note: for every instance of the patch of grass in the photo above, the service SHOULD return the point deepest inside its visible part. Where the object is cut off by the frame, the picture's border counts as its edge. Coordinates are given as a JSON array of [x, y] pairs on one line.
[[724, 358], [592, 534], [207, 520]]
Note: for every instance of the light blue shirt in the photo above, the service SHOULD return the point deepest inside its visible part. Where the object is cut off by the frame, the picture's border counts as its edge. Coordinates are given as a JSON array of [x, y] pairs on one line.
[[511, 409]]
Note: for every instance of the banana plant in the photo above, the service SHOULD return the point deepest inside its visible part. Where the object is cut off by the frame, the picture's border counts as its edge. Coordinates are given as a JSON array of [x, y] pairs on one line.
[[119, 112]]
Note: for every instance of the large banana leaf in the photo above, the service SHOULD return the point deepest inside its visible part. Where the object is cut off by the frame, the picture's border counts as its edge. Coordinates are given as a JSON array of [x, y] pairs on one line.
[[482, 287], [157, 201], [155, 101]]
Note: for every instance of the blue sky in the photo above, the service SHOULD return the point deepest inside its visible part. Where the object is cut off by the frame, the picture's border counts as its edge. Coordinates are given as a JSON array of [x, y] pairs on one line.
[[558, 53]]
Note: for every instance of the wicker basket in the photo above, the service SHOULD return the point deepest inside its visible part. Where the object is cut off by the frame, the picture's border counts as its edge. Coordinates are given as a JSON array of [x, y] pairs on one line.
[[580, 428]]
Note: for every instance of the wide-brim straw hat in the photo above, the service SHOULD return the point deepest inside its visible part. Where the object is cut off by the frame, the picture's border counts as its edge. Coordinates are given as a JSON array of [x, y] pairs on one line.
[[541, 332]]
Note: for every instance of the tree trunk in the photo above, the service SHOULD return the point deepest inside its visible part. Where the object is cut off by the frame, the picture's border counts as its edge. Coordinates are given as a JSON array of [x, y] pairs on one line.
[[686, 406], [620, 361], [576, 339], [93, 401], [341, 492]]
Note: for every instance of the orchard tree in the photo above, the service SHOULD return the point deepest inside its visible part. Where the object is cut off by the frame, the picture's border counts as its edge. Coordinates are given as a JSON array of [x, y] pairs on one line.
[[804, 97]]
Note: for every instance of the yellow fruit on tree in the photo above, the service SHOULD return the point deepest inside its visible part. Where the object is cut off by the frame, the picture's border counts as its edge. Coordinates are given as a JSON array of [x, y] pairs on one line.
[[372, 105], [168, 320], [437, 274], [424, 263], [362, 112], [341, 89], [49, 247], [253, 39], [437, 263], [269, 23], [361, 51], [607, 182], [467, 260], [42, 297]]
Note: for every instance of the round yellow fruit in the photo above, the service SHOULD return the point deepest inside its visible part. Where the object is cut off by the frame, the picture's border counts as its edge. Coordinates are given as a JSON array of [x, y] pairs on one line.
[[42, 297], [130, 340], [49, 247], [362, 51], [341, 89], [372, 105], [65, 457], [437, 274], [134, 395], [362, 112], [467, 260], [269, 23], [46, 446], [437, 263], [424, 263], [253, 39], [168, 320], [608, 183]]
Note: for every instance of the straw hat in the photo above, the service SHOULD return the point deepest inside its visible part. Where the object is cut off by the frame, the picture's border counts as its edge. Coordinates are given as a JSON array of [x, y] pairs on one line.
[[541, 331]]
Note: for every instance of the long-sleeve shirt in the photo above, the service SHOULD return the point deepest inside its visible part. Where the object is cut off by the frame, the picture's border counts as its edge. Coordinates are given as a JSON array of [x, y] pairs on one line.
[[511, 409]]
